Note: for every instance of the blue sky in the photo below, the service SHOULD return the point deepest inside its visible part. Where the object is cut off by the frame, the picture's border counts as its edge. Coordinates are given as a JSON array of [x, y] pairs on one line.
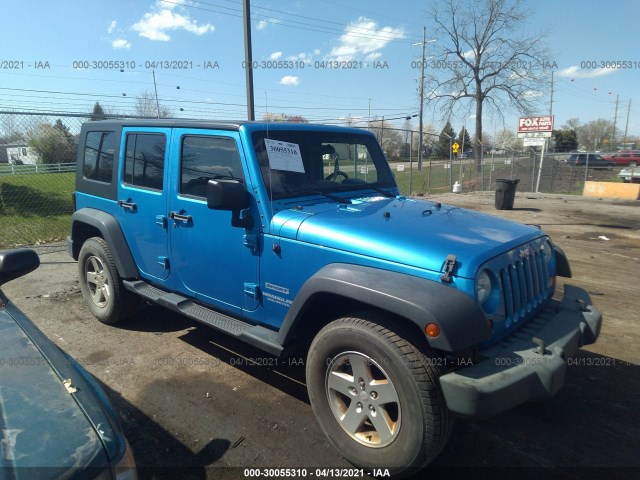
[[195, 35]]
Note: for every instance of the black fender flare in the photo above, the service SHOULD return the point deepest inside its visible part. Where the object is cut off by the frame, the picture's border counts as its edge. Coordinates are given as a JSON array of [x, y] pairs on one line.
[[563, 269], [421, 301], [110, 230]]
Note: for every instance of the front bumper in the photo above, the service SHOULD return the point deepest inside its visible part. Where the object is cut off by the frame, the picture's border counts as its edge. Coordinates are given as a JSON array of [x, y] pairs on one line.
[[518, 370]]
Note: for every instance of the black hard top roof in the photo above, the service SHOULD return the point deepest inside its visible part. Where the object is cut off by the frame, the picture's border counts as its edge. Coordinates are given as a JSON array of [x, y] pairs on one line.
[[169, 122]]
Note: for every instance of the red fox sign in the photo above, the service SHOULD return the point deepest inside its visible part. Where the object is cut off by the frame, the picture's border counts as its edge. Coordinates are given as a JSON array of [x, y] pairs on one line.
[[536, 124]]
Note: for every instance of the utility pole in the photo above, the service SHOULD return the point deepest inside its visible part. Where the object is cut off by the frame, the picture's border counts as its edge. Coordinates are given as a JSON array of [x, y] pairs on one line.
[[626, 127], [424, 44], [548, 144], [248, 59], [551, 102], [615, 121], [155, 88]]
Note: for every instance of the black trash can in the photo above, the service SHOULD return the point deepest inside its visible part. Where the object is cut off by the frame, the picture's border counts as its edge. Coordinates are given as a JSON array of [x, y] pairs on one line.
[[505, 193]]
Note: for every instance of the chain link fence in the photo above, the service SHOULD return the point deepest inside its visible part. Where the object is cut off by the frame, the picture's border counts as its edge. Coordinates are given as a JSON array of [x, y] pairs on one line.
[[38, 155], [37, 176]]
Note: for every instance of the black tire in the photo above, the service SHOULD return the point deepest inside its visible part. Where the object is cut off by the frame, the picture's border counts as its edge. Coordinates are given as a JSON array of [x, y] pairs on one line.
[[101, 285], [420, 421]]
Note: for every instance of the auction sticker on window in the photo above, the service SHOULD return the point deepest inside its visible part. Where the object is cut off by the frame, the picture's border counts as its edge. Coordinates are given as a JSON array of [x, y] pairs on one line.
[[284, 156]]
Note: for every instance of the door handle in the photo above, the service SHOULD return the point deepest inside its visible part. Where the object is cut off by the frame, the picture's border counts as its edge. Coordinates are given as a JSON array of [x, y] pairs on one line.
[[179, 217], [127, 205]]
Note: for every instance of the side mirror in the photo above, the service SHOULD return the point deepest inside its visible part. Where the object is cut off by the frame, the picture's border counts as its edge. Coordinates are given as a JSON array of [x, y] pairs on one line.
[[230, 195], [16, 263], [227, 195]]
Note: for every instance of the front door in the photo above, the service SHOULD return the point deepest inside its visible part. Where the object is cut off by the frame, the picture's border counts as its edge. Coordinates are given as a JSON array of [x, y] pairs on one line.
[[215, 262], [142, 201]]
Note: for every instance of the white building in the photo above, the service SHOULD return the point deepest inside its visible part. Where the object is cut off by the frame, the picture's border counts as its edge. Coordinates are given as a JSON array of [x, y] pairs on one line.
[[21, 154]]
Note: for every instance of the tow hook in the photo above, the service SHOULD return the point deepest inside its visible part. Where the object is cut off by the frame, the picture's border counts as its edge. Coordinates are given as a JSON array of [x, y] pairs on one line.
[[540, 348], [583, 306]]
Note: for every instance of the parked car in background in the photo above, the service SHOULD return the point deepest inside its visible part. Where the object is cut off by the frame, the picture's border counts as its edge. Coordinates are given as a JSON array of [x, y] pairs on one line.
[[591, 160], [630, 175], [56, 420], [626, 157]]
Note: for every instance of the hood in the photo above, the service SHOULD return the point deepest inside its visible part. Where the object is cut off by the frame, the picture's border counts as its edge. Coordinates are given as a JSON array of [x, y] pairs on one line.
[[416, 233], [41, 424]]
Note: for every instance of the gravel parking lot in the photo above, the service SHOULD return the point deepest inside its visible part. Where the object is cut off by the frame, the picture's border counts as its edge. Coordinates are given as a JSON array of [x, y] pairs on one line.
[[193, 401]]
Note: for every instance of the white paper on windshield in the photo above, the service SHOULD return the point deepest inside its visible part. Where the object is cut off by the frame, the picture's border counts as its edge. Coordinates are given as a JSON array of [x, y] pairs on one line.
[[284, 156]]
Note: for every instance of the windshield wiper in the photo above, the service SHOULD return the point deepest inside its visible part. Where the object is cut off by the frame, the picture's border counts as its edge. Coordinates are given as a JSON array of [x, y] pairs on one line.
[[382, 192], [335, 198]]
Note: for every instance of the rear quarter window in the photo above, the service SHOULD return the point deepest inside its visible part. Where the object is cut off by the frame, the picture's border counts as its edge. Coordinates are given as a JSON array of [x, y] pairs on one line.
[[99, 150]]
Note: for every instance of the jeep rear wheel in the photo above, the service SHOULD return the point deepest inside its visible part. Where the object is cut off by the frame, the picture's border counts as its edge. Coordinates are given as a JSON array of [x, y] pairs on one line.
[[101, 285], [376, 395]]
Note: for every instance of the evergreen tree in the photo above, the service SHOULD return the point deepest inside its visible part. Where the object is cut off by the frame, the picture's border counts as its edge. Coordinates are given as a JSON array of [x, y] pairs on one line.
[[443, 140], [98, 112], [464, 139]]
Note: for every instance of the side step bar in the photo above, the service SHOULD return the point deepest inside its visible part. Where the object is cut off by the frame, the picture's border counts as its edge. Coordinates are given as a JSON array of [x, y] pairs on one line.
[[255, 335]]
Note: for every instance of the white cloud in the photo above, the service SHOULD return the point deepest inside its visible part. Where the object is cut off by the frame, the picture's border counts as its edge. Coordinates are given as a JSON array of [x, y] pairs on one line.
[[121, 43], [301, 57], [289, 80], [363, 38], [262, 24], [532, 94], [155, 25], [275, 55], [373, 56], [469, 54], [576, 72], [112, 26]]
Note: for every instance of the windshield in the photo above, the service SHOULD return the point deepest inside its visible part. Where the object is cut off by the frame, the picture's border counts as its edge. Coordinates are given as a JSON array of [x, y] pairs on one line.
[[302, 162]]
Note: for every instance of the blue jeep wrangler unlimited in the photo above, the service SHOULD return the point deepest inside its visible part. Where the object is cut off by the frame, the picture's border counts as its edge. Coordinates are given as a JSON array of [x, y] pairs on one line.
[[285, 235]]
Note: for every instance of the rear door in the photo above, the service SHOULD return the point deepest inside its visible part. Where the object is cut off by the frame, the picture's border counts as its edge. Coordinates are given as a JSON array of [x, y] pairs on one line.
[[215, 262], [141, 198]]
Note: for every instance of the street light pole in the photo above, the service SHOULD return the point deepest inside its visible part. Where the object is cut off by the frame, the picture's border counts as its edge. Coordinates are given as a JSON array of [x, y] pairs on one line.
[[422, 67], [424, 44]]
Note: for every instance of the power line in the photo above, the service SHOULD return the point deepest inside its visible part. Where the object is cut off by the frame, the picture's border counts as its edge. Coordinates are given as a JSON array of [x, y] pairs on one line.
[[291, 23]]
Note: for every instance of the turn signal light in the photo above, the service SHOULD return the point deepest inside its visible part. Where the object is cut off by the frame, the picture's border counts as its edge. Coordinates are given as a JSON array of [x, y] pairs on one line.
[[432, 330]]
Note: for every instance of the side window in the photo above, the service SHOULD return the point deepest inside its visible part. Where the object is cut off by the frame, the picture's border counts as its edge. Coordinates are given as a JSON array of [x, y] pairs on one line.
[[98, 156], [203, 158], [144, 160]]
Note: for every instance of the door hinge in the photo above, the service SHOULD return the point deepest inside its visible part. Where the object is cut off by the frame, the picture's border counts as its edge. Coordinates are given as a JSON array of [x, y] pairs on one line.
[[161, 221], [449, 268], [252, 289], [251, 241], [164, 262]]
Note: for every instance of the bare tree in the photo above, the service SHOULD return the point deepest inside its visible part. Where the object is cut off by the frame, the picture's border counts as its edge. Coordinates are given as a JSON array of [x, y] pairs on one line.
[[10, 129], [147, 106], [485, 60], [572, 124], [389, 137], [595, 134], [284, 117], [506, 140]]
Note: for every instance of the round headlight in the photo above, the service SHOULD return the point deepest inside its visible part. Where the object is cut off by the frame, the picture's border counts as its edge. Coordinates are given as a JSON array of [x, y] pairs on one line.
[[483, 287], [547, 251]]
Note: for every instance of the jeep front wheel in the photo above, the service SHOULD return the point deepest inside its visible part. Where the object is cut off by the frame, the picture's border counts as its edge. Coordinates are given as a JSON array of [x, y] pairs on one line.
[[376, 395], [101, 285]]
